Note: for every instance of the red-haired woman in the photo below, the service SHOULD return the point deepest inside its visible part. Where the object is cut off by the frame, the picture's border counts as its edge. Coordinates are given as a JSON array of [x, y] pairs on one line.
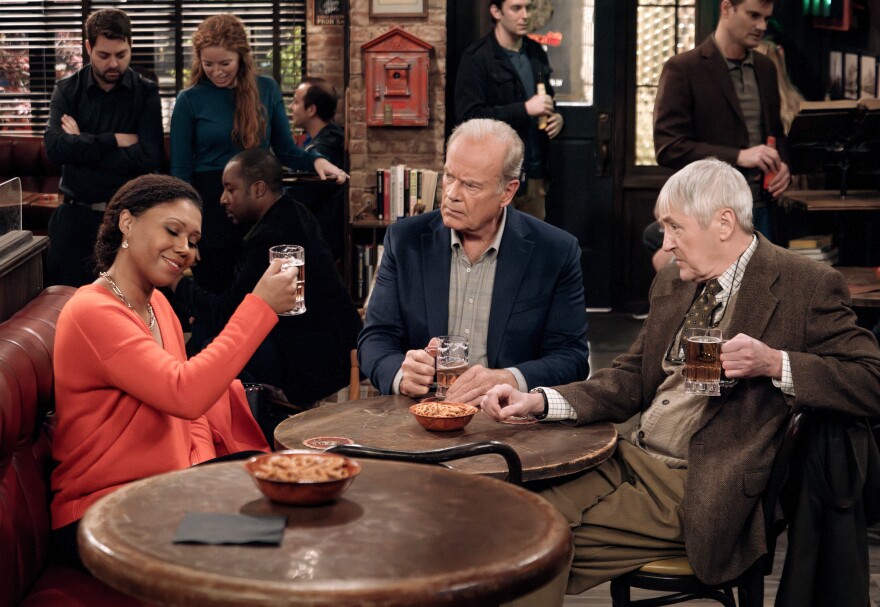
[[226, 109]]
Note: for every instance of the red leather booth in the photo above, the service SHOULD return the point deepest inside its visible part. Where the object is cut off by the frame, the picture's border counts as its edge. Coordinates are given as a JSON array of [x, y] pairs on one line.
[[27, 578]]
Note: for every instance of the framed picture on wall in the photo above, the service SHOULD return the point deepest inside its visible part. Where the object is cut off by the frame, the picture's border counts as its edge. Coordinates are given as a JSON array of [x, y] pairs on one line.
[[851, 76], [328, 12], [877, 81], [398, 8], [867, 76], [835, 74]]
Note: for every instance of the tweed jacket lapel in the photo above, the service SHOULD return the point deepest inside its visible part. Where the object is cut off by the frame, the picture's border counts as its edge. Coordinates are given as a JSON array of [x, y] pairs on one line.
[[666, 318], [513, 259], [756, 288], [435, 254]]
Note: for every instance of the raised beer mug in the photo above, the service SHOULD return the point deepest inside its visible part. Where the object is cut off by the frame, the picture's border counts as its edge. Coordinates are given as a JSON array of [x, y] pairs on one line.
[[293, 255], [702, 361]]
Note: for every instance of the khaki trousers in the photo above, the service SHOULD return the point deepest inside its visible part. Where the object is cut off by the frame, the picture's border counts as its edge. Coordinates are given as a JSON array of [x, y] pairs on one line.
[[532, 202], [624, 513]]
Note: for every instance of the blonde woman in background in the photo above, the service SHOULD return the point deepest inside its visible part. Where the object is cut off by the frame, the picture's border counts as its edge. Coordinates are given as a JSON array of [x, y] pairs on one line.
[[790, 98], [228, 108]]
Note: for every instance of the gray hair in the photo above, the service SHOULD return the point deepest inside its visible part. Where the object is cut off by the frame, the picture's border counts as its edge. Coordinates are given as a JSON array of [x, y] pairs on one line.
[[705, 186], [480, 129]]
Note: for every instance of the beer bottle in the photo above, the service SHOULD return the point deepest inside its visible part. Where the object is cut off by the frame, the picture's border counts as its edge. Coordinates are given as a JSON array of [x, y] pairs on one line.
[[542, 119], [770, 175]]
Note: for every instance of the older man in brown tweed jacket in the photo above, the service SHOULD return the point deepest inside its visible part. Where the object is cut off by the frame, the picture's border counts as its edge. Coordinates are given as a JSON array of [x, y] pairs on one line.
[[689, 479]]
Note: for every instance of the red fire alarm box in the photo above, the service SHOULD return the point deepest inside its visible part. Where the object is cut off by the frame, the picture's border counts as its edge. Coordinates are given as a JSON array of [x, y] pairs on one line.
[[396, 79]]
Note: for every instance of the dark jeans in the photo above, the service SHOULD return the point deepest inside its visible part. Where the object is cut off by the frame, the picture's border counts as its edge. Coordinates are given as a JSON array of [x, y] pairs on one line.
[[73, 230]]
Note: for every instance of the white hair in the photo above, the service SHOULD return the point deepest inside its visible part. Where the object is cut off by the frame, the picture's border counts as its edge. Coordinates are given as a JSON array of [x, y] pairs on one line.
[[705, 186], [480, 129]]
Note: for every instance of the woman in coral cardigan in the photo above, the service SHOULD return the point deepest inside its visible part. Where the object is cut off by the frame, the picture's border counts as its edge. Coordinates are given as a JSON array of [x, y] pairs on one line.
[[129, 404]]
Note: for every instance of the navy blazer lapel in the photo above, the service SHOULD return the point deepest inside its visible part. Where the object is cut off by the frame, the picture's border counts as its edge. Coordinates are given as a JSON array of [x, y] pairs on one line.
[[756, 288], [435, 253], [513, 259], [718, 72]]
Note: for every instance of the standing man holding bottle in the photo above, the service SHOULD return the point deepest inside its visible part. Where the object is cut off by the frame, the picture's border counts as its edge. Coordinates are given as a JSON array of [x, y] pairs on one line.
[[506, 76], [721, 99]]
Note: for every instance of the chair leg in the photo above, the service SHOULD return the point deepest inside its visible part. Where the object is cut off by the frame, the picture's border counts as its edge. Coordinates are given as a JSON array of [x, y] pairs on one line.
[[751, 590], [619, 594]]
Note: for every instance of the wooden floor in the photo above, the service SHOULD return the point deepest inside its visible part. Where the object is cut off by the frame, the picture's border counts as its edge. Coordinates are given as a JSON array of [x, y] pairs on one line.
[[611, 334]]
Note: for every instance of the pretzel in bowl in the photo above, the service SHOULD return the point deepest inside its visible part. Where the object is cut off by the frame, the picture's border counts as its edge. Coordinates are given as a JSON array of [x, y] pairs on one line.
[[443, 410], [302, 468]]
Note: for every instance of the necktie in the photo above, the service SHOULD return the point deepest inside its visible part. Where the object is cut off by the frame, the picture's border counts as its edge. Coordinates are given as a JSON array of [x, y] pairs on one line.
[[700, 314]]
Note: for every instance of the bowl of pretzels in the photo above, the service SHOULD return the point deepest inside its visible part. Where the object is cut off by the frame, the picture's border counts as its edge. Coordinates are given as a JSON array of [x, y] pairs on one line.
[[443, 416], [301, 477]]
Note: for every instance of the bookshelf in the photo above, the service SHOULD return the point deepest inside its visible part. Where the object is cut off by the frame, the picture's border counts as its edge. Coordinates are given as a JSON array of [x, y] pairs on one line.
[[400, 191], [363, 244]]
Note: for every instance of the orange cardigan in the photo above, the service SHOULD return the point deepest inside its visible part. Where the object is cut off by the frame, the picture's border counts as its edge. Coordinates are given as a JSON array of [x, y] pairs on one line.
[[128, 409]]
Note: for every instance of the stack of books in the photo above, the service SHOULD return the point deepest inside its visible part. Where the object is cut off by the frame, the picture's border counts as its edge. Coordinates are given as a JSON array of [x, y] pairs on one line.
[[819, 247], [367, 258], [402, 191]]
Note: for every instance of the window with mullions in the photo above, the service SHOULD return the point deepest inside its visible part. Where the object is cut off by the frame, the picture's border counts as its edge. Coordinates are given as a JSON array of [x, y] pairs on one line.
[[665, 28], [41, 42]]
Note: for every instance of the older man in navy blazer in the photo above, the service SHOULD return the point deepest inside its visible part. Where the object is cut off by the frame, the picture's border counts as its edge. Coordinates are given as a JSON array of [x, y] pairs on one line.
[[479, 268]]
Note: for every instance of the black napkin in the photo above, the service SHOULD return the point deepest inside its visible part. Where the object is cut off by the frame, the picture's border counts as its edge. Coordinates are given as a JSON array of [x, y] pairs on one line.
[[214, 528]]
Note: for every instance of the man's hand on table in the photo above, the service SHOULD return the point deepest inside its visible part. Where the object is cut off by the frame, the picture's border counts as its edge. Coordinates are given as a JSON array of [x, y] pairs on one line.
[[503, 401], [476, 382]]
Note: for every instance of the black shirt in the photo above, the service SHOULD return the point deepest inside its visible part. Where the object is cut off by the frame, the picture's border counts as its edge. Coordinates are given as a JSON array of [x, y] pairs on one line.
[[307, 356], [93, 166]]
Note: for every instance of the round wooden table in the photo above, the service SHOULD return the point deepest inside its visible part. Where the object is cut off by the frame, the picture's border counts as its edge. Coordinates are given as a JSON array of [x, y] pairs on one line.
[[547, 450], [402, 535]]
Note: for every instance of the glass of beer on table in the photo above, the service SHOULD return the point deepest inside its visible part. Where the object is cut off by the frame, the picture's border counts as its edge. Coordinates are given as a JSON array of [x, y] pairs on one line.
[[293, 255], [451, 361], [702, 361]]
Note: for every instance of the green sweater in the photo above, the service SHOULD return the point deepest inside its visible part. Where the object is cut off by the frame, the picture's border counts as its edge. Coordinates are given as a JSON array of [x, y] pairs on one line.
[[201, 128]]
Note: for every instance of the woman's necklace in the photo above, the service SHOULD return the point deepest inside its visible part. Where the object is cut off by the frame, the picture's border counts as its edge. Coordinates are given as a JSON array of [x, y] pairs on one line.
[[118, 292]]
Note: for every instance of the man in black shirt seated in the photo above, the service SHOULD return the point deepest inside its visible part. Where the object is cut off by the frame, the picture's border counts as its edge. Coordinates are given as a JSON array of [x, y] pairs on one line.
[[104, 129], [306, 356], [313, 110]]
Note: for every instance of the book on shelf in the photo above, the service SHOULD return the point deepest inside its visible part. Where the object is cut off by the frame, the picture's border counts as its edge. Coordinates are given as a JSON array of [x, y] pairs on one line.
[[429, 189], [367, 258], [375, 260], [868, 103], [413, 192], [810, 242], [403, 191], [829, 255], [380, 193]]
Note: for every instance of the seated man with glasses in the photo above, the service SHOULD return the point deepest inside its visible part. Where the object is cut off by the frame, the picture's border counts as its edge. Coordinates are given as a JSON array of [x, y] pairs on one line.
[[688, 481]]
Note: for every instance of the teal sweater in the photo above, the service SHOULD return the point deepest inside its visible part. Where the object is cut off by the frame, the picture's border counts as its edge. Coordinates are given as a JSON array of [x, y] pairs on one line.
[[201, 130]]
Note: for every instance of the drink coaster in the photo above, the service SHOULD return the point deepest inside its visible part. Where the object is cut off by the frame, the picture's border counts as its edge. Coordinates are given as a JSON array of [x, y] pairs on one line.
[[520, 420], [325, 442]]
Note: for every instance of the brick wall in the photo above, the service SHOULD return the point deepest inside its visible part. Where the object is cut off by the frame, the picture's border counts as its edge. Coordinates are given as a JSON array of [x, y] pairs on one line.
[[379, 147], [325, 56]]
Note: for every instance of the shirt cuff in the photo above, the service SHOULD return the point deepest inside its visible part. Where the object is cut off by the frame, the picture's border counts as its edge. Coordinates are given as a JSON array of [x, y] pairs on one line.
[[395, 383], [786, 384], [558, 409], [522, 385]]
